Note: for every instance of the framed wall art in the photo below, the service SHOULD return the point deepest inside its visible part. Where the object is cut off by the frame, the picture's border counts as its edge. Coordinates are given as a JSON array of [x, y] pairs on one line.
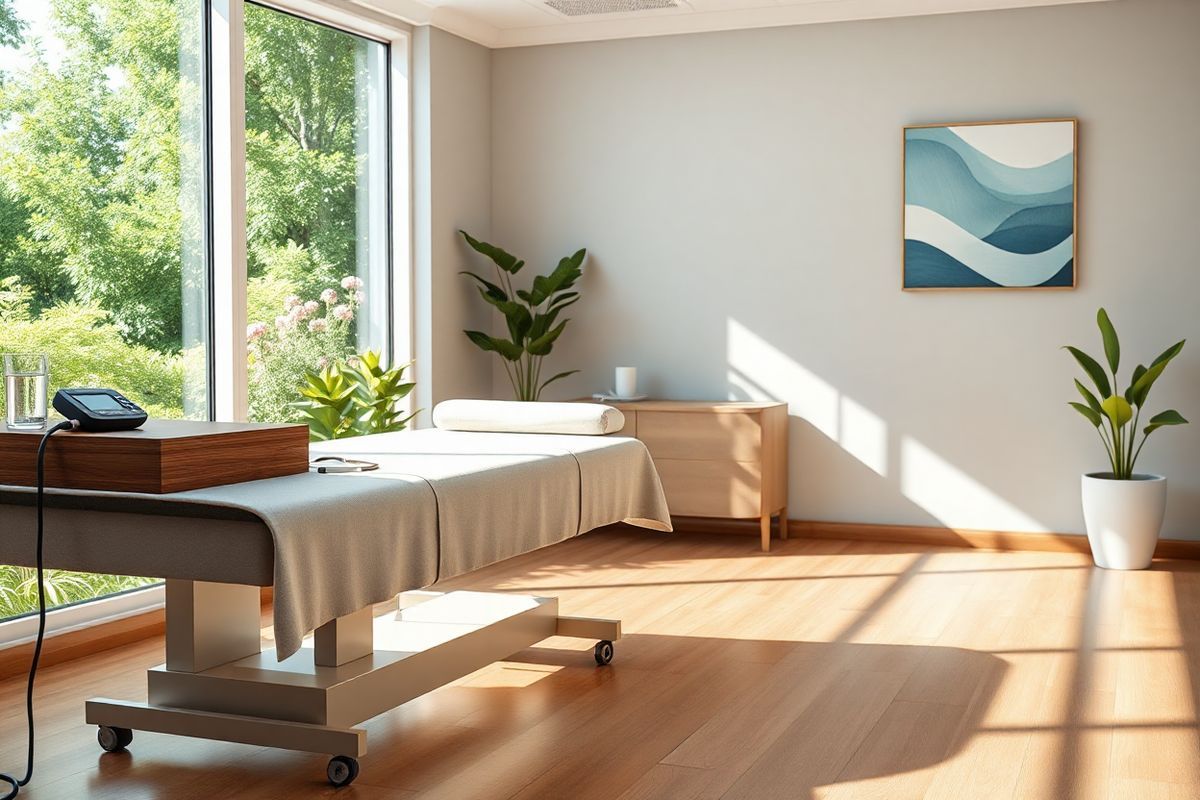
[[990, 205]]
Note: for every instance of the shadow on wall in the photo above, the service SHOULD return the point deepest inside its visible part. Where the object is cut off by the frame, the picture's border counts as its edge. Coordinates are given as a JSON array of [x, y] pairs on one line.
[[848, 448]]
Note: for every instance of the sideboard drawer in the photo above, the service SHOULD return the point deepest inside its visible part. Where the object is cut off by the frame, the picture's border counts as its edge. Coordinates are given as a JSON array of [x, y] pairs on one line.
[[724, 458], [711, 488], [697, 437]]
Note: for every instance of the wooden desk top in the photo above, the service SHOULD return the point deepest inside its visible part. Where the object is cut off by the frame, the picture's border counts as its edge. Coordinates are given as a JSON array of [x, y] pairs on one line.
[[164, 455]]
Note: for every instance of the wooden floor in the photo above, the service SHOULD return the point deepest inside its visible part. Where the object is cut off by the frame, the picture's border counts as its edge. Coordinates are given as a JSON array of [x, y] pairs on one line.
[[824, 669]]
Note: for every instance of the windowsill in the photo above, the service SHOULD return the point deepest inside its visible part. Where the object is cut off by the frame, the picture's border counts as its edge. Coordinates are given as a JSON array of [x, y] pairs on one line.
[[23, 630]]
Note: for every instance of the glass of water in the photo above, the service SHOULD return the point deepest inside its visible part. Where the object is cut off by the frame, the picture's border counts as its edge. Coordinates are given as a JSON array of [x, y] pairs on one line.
[[26, 377]]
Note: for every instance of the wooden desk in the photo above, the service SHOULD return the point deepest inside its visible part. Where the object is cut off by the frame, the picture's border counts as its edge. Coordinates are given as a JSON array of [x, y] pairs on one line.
[[164, 455], [717, 459]]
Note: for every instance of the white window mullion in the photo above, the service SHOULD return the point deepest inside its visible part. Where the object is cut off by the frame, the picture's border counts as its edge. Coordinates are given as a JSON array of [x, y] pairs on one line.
[[229, 209], [403, 347]]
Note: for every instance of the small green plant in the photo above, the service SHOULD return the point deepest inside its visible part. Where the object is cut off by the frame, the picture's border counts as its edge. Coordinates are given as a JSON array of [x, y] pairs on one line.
[[354, 397], [1110, 415], [531, 316]]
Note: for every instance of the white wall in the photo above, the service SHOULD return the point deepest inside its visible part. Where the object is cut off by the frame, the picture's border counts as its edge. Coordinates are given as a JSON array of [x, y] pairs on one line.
[[452, 186], [740, 195]]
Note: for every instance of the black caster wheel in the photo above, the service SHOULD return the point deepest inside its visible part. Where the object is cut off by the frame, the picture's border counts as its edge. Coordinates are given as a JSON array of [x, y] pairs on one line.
[[604, 653], [113, 740], [342, 770]]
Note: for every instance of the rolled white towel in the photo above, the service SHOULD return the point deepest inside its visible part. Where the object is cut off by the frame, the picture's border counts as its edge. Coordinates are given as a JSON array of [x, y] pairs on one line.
[[511, 416]]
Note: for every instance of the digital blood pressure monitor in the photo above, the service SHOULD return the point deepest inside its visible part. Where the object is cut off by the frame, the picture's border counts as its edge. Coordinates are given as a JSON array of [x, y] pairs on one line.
[[99, 409]]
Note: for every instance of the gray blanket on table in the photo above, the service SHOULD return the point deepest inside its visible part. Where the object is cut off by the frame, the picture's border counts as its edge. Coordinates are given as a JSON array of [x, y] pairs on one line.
[[442, 503]]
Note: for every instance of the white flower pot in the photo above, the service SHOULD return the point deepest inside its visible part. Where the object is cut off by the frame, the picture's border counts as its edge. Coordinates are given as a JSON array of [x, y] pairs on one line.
[[1123, 518]]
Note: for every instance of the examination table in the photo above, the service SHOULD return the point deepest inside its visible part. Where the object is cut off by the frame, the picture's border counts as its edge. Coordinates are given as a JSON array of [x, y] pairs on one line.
[[442, 503]]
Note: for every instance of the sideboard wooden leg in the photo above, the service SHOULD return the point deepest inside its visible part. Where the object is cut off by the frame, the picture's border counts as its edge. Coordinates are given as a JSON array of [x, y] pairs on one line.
[[765, 526], [783, 532]]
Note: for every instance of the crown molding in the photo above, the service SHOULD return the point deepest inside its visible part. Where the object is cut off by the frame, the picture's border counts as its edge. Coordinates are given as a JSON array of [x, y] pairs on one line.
[[481, 32]]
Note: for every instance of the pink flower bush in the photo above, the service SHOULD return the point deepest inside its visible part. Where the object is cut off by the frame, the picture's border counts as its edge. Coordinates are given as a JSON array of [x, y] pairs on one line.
[[316, 332]]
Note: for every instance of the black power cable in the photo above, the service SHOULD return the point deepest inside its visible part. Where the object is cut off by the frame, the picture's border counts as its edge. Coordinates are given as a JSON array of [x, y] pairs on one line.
[[41, 634]]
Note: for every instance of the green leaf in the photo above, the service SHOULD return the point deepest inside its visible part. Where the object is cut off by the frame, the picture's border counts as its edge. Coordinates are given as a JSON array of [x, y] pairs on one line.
[[1088, 397], [1170, 352], [542, 345], [556, 377], [1118, 410], [563, 277], [1091, 415], [543, 322], [516, 316], [1141, 387], [1138, 372], [505, 261], [1093, 369], [1112, 347], [559, 302], [1163, 418], [489, 289], [492, 344]]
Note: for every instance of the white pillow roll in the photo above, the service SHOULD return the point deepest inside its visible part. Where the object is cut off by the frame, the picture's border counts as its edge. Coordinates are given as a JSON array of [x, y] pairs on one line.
[[512, 416]]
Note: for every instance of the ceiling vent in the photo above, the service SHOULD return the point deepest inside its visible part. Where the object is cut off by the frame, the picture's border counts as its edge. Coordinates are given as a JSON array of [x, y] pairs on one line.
[[586, 8]]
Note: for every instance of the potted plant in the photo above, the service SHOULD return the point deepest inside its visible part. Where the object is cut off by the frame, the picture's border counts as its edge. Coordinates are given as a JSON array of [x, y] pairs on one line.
[[530, 316], [1122, 509]]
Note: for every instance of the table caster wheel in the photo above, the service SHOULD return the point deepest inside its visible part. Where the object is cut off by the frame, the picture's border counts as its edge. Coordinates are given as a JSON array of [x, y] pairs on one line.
[[113, 740], [604, 653], [342, 770]]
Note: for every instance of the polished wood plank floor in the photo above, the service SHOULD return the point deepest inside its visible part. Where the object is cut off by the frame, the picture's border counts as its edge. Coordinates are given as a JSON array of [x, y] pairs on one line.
[[824, 669]]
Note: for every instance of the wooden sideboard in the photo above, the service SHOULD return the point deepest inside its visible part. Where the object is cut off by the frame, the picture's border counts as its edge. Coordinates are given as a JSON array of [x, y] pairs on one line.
[[717, 459]]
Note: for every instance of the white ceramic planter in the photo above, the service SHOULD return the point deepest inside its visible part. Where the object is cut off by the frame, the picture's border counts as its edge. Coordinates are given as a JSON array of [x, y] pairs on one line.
[[1123, 518]]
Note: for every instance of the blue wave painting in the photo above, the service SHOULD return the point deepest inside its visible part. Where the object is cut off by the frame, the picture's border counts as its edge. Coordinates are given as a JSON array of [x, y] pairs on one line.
[[989, 205]]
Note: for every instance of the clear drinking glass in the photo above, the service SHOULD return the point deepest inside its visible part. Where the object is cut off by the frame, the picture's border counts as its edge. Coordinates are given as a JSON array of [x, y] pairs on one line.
[[26, 377]]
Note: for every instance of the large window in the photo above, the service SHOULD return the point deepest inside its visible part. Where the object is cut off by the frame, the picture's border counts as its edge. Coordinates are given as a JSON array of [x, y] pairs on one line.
[[116, 206], [101, 164], [102, 245], [316, 202]]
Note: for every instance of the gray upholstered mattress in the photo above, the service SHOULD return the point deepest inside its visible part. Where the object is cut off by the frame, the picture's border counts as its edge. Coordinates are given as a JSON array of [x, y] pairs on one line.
[[442, 503]]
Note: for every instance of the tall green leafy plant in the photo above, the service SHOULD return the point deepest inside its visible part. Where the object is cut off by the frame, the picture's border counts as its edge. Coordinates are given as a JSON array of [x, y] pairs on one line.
[[354, 397], [531, 316], [1112, 410]]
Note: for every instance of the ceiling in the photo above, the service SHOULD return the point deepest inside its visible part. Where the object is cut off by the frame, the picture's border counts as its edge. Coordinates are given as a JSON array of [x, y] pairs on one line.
[[518, 23]]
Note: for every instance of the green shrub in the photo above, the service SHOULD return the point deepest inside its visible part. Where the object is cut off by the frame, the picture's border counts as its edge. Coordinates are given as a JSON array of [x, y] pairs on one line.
[[86, 349], [18, 588]]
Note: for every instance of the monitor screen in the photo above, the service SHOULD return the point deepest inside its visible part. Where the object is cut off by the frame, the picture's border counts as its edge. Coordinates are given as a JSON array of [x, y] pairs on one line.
[[98, 402]]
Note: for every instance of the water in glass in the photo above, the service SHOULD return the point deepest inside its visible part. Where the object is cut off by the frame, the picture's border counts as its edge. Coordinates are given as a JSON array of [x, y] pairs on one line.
[[26, 379]]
